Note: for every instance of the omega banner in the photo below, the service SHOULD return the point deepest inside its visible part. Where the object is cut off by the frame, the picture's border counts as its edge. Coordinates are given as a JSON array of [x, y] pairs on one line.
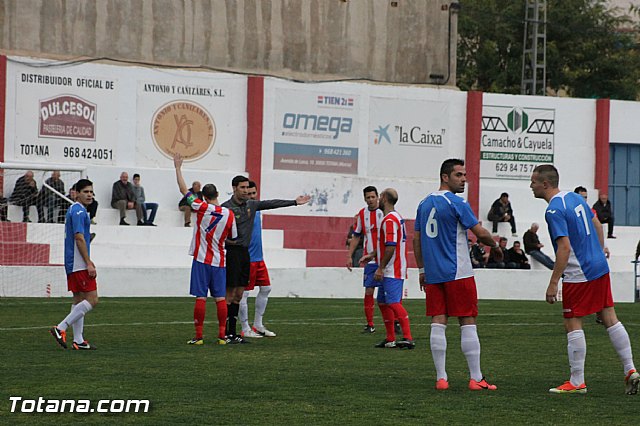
[[407, 137], [316, 131], [62, 115], [515, 140]]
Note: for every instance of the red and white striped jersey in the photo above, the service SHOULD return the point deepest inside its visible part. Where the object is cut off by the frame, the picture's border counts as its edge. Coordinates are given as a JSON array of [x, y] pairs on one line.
[[214, 225], [393, 233], [368, 223]]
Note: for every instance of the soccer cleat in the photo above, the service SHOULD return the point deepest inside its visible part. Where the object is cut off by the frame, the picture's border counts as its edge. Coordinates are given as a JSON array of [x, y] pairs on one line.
[[599, 318], [220, 341], [84, 346], [405, 344], [442, 384], [60, 336], [368, 329], [567, 387], [235, 340], [195, 341], [252, 334], [264, 332], [481, 385], [631, 382], [386, 344]]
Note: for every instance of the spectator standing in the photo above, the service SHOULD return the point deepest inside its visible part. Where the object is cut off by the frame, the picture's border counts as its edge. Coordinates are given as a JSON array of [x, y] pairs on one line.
[[357, 253], [501, 211], [138, 190], [532, 246], [25, 194], [604, 211], [517, 256], [123, 198], [49, 199], [184, 205]]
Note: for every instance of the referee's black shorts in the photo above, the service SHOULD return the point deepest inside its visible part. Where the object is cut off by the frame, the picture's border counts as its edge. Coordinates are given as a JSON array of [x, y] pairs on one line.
[[238, 266]]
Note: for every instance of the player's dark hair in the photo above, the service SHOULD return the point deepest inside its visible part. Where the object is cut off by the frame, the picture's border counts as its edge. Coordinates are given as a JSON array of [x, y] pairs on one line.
[[504, 194], [82, 184], [549, 173], [210, 191], [238, 180], [448, 165], [252, 184], [370, 189], [580, 189], [136, 175]]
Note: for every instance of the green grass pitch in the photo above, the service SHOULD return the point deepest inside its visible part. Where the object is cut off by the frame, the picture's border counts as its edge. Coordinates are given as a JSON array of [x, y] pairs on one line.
[[319, 370]]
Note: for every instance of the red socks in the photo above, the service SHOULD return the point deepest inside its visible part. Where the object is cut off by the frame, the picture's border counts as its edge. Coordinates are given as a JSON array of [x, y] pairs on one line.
[[403, 317], [368, 308], [388, 317], [198, 316], [222, 317]]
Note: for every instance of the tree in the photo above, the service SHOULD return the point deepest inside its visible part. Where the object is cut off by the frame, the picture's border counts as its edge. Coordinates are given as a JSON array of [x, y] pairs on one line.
[[588, 52]]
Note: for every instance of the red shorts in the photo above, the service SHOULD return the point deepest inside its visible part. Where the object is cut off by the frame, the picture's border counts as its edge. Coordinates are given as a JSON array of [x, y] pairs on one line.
[[457, 298], [81, 282], [258, 276], [582, 299]]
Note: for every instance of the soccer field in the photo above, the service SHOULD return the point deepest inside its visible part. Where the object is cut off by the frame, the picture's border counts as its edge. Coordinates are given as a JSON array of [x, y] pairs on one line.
[[319, 370]]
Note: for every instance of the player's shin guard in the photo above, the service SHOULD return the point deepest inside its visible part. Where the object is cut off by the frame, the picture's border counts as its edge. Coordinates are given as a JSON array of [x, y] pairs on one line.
[[621, 343], [438, 343], [470, 345], [388, 317], [221, 306], [243, 313], [199, 311], [262, 298], [368, 308], [577, 350], [400, 313]]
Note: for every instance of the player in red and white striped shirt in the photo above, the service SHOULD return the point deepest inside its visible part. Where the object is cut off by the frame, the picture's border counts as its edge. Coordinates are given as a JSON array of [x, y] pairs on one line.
[[367, 223], [208, 269], [392, 271]]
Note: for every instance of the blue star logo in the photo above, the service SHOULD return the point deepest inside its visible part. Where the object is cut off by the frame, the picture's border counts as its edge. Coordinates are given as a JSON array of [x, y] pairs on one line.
[[383, 133]]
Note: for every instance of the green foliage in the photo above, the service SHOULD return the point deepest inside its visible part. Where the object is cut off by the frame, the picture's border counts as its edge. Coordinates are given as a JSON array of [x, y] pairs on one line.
[[589, 52], [319, 370]]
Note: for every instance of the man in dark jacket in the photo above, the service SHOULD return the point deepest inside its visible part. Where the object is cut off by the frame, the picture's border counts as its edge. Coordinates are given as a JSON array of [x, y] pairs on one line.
[[604, 211], [49, 199], [123, 199], [25, 194], [501, 211]]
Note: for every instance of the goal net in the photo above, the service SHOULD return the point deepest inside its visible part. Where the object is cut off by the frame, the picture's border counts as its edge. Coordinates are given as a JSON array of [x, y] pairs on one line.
[[33, 204]]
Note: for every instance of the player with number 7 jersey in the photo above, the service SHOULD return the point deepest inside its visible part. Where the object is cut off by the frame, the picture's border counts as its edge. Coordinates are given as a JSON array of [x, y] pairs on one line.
[[214, 225]]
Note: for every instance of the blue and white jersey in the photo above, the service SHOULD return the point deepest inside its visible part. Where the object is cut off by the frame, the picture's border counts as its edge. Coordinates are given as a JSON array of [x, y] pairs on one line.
[[255, 246], [442, 221], [77, 221], [568, 215]]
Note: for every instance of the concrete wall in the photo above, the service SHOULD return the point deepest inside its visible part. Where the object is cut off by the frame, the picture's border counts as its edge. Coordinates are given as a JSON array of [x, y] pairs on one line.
[[307, 39]]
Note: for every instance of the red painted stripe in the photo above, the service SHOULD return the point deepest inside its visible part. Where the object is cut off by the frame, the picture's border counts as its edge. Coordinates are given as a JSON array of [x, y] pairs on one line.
[[472, 150], [255, 107], [3, 109], [603, 110]]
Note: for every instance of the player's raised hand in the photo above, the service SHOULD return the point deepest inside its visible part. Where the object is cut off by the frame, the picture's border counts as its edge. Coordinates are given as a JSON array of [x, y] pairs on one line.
[[302, 199], [177, 160]]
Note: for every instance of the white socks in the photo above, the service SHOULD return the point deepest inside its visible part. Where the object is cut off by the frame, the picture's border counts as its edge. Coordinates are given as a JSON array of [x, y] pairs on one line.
[[78, 328], [438, 342], [621, 343], [77, 312], [577, 350], [470, 345], [261, 305], [243, 313]]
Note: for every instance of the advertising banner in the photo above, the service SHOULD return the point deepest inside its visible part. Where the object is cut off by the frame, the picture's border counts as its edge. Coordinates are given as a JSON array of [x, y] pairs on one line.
[[316, 131], [64, 115], [515, 140], [407, 137]]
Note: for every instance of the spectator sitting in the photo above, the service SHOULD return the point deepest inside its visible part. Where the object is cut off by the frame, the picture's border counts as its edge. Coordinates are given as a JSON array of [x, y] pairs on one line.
[[499, 258], [477, 255], [604, 211], [123, 199], [4, 207], [501, 211], [185, 207], [517, 256], [92, 208], [141, 200], [532, 246], [357, 253], [25, 194], [49, 199], [582, 191]]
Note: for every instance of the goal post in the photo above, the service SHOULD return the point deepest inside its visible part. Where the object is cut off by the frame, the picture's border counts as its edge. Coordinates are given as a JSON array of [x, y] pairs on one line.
[[32, 253]]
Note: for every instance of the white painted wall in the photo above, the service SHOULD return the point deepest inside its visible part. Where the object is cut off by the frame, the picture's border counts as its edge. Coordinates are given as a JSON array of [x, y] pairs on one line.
[[624, 126]]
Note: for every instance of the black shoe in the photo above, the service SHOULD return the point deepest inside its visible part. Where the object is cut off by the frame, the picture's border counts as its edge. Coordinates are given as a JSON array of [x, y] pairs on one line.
[[150, 224], [599, 318], [233, 339], [405, 344], [396, 327], [140, 223], [26, 220], [368, 329], [386, 344], [187, 225], [60, 336], [92, 236], [84, 346], [123, 222]]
